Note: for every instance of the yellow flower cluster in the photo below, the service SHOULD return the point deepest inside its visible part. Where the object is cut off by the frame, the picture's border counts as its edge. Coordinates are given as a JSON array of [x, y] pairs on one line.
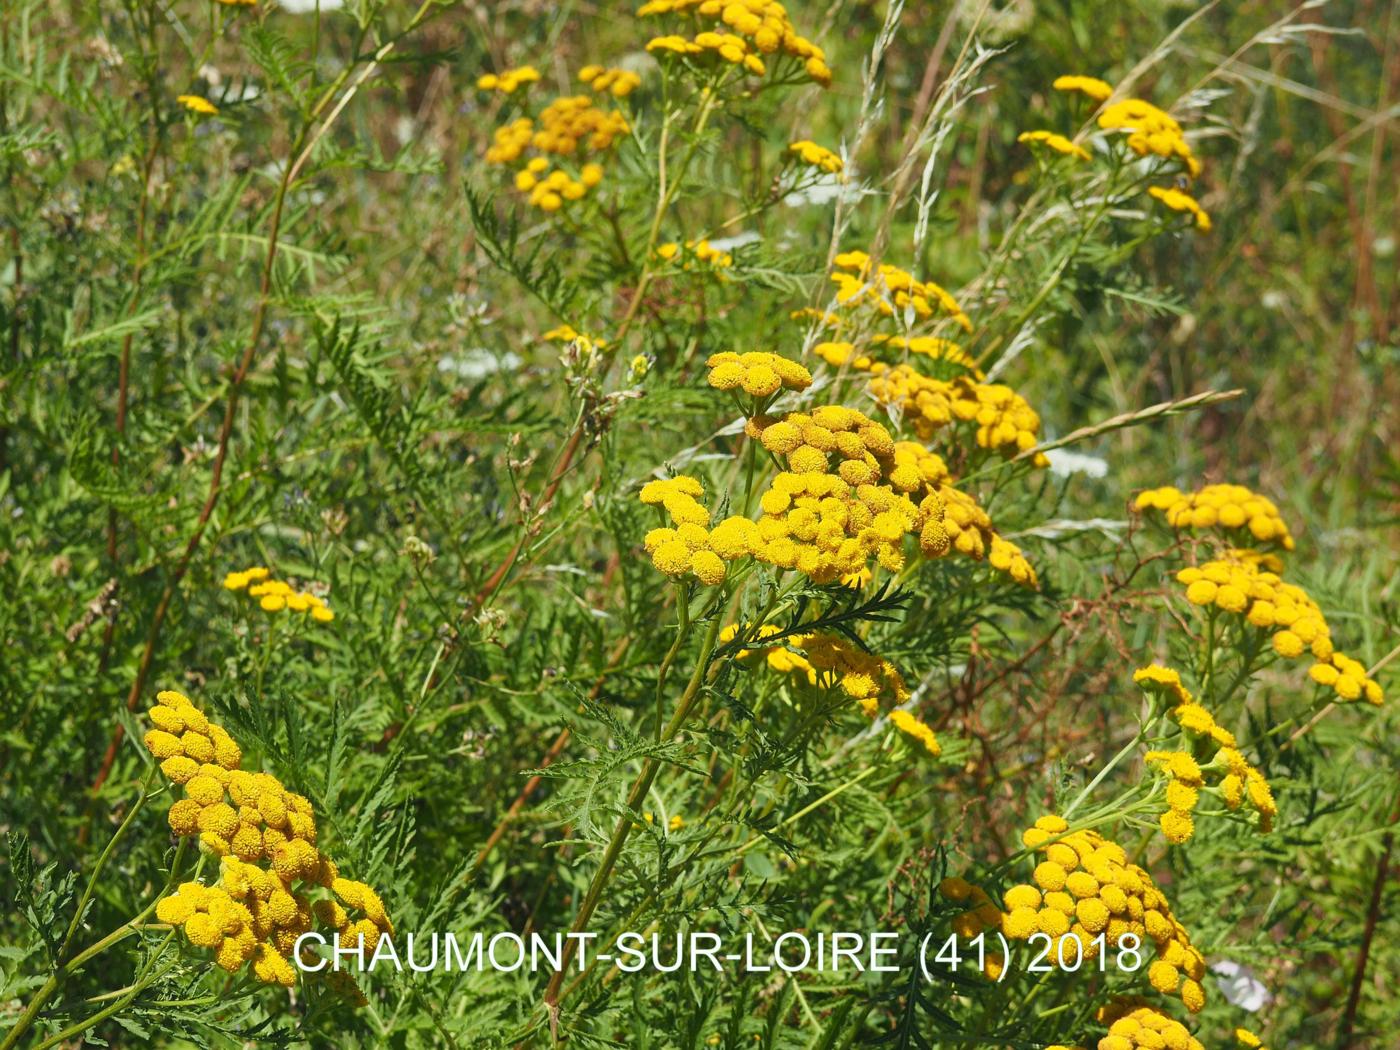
[[919, 730], [1053, 141], [275, 595], [981, 915], [254, 913], [568, 125], [1006, 423], [931, 347], [617, 82], [1241, 780], [916, 470], [763, 24], [1244, 781], [362, 898], [1184, 783], [825, 523], [1086, 887], [731, 48], [212, 919], [1005, 420], [839, 353], [695, 252], [822, 526], [1347, 678], [757, 373], [816, 156], [830, 662], [197, 104], [889, 288], [1236, 583], [509, 141], [509, 81], [567, 333], [690, 547], [835, 503], [809, 440], [1228, 507], [1147, 1028], [968, 527], [568, 122], [1248, 1040], [1190, 715], [1180, 200], [1150, 131], [548, 190], [1096, 89], [1246, 583]]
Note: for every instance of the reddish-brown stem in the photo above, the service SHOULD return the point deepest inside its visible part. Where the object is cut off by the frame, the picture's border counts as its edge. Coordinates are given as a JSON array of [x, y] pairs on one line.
[[14, 332], [211, 499], [1366, 295], [555, 749], [493, 582], [560, 742], [497, 577], [927, 87], [124, 379], [1363, 955]]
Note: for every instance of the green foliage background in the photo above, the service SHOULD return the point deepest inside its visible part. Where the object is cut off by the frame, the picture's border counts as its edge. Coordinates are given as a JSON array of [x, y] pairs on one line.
[[399, 417]]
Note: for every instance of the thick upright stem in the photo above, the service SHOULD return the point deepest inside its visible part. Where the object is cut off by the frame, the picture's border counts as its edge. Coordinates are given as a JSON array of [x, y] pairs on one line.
[[623, 828]]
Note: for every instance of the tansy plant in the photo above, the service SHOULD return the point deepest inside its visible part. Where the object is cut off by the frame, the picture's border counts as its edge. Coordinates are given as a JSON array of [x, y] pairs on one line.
[[717, 467]]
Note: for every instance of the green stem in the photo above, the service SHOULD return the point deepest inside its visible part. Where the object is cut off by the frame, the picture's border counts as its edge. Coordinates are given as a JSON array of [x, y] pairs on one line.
[[682, 632], [102, 863], [265, 657], [1052, 282], [751, 458], [61, 974], [666, 193], [833, 793], [1246, 669], [1127, 749], [1208, 655], [141, 983], [623, 828]]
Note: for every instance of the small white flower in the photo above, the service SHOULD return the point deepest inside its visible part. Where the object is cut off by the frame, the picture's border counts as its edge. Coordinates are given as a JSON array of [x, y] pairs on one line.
[[302, 7], [1064, 463], [478, 362], [822, 191], [1240, 987], [738, 240]]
